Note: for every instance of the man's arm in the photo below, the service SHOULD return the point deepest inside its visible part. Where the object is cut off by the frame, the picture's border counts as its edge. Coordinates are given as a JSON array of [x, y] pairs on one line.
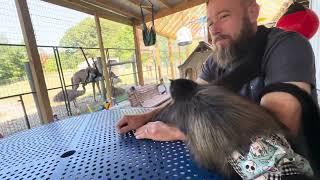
[[290, 60], [286, 107]]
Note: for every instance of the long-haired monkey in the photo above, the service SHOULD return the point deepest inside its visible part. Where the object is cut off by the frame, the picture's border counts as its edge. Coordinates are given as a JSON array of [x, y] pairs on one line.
[[228, 133]]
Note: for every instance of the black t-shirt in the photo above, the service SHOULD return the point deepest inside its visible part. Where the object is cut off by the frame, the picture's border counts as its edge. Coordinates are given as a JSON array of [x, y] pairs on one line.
[[288, 57]]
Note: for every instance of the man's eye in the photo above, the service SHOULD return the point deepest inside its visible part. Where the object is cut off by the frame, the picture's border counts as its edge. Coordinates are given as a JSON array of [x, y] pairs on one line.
[[224, 16]]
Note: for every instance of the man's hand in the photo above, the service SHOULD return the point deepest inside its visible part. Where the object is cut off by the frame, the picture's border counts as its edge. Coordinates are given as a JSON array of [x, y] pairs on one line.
[[132, 122], [159, 131]]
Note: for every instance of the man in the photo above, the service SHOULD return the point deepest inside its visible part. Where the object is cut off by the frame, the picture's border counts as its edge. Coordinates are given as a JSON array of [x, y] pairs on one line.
[[288, 58]]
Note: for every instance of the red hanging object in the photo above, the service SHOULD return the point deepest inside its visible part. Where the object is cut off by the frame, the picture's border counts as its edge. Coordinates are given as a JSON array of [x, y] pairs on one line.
[[299, 19]]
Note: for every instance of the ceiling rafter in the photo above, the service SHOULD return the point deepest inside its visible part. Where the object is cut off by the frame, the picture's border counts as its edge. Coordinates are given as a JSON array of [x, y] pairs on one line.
[[165, 3], [92, 11], [137, 3], [177, 8], [113, 7]]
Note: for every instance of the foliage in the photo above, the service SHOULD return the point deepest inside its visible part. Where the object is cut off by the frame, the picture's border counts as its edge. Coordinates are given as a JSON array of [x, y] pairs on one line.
[[84, 34], [12, 62]]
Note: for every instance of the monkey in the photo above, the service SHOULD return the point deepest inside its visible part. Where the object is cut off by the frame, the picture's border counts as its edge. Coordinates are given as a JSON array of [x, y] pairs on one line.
[[228, 133]]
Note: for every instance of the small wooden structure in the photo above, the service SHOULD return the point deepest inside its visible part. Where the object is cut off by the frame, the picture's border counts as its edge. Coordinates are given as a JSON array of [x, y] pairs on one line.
[[190, 69]]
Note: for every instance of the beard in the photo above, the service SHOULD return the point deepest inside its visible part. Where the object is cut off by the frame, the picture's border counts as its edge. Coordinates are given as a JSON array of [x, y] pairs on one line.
[[225, 56]]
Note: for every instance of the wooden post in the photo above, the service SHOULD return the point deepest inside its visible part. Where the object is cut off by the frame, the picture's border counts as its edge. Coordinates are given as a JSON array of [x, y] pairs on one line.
[[34, 59], [179, 54], [171, 60], [158, 58], [103, 59], [208, 39], [138, 54], [102, 84], [187, 51], [134, 73]]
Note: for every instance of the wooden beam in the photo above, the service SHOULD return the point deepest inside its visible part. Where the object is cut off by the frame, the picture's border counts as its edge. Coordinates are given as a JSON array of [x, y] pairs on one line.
[[158, 32], [103, 59], [165, 3], [185, 20], [45, 112], [115, 8], [104, 14], [137, 2], [179, 56], [171, 59], [165, 20], [138, 54], [158, 60], [177, 8], [166, 35], [187, 48], [106, 6], [182, 21]]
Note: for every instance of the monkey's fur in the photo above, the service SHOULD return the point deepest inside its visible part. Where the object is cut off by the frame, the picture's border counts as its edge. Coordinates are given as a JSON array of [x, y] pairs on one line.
[[216, 122]]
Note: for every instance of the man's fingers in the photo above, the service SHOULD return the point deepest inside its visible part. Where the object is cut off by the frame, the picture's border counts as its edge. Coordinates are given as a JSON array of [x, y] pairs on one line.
[[121, 125], [123, 121], [123, 129], [143, 135], [141, 130]]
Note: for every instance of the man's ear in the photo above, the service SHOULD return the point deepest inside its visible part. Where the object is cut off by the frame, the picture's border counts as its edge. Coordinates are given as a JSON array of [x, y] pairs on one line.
[[253, 12]]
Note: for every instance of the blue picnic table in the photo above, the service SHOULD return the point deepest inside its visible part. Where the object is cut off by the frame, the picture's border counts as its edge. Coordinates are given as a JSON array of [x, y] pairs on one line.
[[88, 147]]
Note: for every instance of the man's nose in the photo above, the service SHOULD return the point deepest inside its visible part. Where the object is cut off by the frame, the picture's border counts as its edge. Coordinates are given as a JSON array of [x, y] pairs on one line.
[[214, 30]]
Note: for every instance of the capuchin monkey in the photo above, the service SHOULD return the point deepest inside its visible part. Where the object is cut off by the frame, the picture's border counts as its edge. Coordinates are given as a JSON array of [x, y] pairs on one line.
[[228, 133]]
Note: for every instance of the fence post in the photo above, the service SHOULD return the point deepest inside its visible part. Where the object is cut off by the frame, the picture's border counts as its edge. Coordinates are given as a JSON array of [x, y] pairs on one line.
[[101, 82], [25, 112], [33, 89]]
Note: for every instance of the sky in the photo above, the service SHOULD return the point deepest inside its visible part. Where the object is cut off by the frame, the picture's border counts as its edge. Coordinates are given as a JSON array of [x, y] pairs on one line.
[[49, 21]]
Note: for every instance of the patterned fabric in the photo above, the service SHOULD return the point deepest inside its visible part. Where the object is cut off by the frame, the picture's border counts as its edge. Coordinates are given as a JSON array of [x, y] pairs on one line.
[[269, 159]]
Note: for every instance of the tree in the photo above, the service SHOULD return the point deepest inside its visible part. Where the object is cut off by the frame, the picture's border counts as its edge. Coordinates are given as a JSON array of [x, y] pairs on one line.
[[84, 34], [12, 61]]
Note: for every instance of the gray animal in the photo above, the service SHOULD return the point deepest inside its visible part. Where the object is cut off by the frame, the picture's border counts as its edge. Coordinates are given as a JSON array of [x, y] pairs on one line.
[[72, 95], [218, 123], [91, 75], [85, 76]]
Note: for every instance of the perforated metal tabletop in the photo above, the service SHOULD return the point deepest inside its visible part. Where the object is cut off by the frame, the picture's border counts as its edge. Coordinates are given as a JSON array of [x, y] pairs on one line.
[[88, 147]]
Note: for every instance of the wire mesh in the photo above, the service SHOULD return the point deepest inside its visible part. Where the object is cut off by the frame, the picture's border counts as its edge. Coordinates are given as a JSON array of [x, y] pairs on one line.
[[10, 31], [13, 118], [48, 18], [58, 26]]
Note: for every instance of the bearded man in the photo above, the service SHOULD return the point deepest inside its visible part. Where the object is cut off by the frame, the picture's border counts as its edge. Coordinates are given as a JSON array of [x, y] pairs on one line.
[[287, 58]]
